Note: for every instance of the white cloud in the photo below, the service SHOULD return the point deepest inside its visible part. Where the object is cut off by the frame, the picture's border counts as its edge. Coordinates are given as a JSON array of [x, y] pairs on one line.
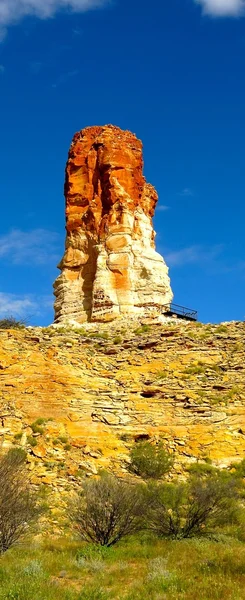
[[36, 247], [24, 307], [193, 255], [222, 8], [10, 304], [12, 11]]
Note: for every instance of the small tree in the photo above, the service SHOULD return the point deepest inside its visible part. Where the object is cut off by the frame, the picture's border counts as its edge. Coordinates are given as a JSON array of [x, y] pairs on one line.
[[149, 461], [183, 510], [17, 503], [107, 510]]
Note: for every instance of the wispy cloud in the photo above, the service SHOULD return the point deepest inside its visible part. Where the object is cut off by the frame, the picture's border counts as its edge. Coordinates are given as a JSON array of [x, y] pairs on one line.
[[12, 11], [186, 192], [76, 31], [23, 307], [193, 255], [36, 247], [2, 69], [162, 207], [222, 8]]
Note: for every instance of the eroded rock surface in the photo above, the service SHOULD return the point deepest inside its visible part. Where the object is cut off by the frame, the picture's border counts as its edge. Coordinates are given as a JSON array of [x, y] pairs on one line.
[[77, 400], [110, 266]]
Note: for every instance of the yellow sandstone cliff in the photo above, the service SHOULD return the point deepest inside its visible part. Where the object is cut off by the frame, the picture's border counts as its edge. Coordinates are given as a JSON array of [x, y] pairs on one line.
[[78, 400]]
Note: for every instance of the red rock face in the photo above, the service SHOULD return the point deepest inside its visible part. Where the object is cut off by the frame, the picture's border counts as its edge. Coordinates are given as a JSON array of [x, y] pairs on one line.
[[110, 239]]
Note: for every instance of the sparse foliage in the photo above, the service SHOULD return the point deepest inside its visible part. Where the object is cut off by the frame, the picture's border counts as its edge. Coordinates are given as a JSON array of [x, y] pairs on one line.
[[149, 461], [17, 503], [107, 510], [183, 510], [12, 323]]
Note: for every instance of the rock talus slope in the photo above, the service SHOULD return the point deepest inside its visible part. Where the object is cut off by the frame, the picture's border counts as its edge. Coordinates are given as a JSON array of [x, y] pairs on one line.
[[110, 266]]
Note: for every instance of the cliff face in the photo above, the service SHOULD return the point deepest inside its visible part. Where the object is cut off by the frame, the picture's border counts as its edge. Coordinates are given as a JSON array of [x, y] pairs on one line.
[[95, 392], [110, 266]]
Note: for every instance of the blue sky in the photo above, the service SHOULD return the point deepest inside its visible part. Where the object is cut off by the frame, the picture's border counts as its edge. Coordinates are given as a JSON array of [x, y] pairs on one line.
[[171, 71]]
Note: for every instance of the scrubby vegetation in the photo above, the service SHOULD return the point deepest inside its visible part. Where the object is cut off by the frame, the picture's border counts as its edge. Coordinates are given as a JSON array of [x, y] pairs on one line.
[[127, 538], [196, 508], [12, 323], [18, 504], [150, 461], [107, 510]]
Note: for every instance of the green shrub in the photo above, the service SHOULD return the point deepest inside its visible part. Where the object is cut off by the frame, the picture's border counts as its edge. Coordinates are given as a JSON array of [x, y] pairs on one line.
[[117, 340], [202, 469], [149, 461], [36, 426], [41, 421], [201, 368], [196, 369], [142, 329], [161, 374], [238, 469], [37, 429], [198, 507], [102, 336]]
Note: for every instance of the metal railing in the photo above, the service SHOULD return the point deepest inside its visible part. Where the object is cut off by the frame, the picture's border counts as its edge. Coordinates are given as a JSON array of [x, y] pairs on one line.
[[181, 311]]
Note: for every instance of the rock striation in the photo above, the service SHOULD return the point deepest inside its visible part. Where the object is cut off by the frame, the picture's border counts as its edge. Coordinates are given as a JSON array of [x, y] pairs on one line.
[[110, 266], [98, 389]]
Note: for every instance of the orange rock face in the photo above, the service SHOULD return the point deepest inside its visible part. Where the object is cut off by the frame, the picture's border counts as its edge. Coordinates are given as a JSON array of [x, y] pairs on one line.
[[110, 266]]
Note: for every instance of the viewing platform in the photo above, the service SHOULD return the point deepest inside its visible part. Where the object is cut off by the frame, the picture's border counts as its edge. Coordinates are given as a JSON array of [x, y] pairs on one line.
[[181, 312]]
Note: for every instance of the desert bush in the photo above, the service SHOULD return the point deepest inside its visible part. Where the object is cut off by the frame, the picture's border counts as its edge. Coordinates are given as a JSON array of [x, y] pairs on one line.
[[18, 506], [37, 428], [11, 323], [198, 507], [149, 461], [238, 469], [202, 468], [106, 510]]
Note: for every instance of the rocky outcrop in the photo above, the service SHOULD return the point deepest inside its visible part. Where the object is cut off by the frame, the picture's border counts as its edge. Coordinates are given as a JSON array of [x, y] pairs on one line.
[[110, 266], [78, 400]]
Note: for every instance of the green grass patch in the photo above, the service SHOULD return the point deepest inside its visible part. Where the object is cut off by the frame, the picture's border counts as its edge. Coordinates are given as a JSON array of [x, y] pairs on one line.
[[32, 441], [142, 329], [138, 569]]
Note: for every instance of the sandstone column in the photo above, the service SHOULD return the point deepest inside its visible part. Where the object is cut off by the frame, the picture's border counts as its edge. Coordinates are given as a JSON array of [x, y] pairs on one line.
[[110, 266]]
